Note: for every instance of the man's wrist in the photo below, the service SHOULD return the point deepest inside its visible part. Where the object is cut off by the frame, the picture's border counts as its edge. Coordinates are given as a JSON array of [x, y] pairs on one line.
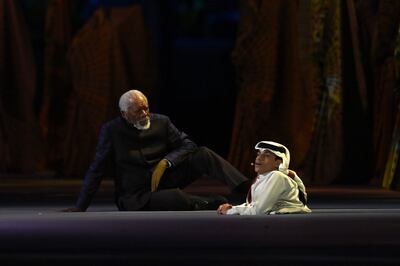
[[169, 164]]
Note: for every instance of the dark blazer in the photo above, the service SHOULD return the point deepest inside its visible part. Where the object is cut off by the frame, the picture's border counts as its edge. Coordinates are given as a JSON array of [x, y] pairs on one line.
[[133, 154]]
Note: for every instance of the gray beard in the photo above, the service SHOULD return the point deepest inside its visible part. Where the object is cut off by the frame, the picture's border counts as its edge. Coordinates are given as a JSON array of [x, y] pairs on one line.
[[143, 124]]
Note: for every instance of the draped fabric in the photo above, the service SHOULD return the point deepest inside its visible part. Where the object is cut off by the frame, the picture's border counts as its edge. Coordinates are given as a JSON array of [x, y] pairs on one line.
[[278, 86], [391, 177], [387, 124], [111, 54], [320, 77], [57, 84], [20, 141], [325, 156], [379, 23], [385, 54], [376, 26]]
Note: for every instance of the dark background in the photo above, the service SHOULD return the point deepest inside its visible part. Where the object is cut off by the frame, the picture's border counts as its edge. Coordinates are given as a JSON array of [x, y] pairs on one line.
[[320, 77], [193, 41]]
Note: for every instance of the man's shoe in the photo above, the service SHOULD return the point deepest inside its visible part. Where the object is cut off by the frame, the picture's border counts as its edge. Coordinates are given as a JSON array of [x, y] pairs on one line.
[[200, 203]]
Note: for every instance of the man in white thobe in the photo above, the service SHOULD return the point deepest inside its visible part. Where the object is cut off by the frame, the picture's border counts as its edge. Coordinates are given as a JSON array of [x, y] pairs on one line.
[[276, 189]]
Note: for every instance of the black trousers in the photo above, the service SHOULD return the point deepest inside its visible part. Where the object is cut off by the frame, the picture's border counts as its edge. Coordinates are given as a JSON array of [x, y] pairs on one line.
[[203, 162]]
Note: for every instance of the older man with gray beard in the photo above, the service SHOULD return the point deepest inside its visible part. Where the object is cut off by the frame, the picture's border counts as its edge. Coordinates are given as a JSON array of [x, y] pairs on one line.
[[152, 161]]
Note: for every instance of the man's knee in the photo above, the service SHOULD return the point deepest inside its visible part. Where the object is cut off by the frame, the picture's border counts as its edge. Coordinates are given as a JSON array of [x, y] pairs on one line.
[[169, 200], [205, 152]]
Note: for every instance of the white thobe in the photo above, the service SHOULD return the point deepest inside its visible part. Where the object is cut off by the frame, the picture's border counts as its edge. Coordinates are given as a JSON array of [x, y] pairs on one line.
[[271, 193]]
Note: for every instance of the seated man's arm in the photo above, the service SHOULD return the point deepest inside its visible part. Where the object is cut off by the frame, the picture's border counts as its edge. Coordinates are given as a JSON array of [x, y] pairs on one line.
[[95, 172], [179, 143]]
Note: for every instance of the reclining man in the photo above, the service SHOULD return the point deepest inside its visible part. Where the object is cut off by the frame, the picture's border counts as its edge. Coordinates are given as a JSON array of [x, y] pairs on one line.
[[152, 161], [276, 189]]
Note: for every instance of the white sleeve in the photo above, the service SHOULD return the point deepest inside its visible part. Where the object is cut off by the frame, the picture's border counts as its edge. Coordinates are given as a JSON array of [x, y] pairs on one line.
[[269, 193], [242, 209]]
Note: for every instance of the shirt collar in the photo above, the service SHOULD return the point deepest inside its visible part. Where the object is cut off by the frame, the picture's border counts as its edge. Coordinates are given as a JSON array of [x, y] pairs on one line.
[[265, 175]]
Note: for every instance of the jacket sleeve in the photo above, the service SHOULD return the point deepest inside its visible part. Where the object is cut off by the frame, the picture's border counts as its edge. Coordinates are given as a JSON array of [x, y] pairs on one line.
[[96, 170], [179, 144]]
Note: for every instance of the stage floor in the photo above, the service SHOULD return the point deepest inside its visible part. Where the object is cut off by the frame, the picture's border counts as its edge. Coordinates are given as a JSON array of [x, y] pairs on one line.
[[348, 226]]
